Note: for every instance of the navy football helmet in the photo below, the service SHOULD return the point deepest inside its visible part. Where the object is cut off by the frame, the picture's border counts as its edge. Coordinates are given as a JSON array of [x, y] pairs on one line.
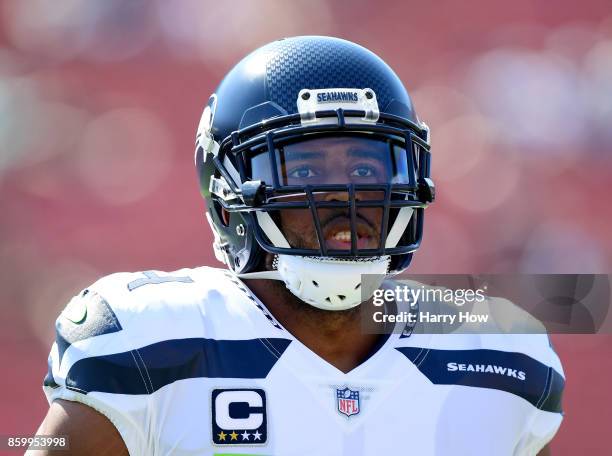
[[314, 135]]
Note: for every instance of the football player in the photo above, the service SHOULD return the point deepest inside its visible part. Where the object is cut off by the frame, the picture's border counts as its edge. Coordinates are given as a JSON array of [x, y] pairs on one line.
[[316, 171]]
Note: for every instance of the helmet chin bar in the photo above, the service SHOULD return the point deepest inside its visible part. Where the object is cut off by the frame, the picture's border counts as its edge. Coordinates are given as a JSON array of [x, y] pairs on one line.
[[326, 283]]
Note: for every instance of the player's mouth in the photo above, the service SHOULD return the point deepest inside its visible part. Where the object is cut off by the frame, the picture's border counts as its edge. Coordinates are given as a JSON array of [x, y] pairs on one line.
[[337, 234]]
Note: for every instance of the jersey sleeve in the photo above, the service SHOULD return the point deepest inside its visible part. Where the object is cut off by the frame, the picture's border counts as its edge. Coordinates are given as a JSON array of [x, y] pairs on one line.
[[92, 362], [515, 330], [548, 414], [123, 341]]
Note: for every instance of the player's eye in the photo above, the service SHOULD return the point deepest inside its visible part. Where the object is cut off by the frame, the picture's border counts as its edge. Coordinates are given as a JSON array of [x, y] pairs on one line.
[[363, 171], [302, 172]]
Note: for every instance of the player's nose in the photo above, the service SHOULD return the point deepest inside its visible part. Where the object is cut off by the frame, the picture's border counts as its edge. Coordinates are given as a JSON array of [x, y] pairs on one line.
[[336, 196], [344, 195]]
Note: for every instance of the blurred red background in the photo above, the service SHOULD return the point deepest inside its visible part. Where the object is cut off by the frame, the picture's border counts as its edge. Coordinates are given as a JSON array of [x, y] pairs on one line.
[[99, 103]]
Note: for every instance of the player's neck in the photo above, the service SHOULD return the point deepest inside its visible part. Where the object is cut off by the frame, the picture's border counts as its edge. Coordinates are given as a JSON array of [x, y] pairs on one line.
[[337, 337]]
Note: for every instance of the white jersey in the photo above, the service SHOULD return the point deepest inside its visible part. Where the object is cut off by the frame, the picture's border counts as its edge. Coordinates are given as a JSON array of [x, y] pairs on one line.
[[191, 363]]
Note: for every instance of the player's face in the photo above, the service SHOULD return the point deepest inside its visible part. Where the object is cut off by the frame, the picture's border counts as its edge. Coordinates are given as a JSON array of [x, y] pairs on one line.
[[338, 161]]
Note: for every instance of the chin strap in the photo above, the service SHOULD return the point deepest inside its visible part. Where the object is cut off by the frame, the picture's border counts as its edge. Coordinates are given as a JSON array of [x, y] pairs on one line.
[[326, 283]]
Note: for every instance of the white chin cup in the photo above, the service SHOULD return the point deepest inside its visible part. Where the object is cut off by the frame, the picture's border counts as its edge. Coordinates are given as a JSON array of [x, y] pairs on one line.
[[330, 283]]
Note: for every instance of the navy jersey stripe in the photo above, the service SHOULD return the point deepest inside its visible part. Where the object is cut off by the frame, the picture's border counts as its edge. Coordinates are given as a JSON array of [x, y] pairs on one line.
[[515, 373], [149, 368]]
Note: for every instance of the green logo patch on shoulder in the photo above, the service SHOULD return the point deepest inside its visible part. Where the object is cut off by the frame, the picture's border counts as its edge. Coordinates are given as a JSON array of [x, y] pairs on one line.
[[76, 310], [86, 315]]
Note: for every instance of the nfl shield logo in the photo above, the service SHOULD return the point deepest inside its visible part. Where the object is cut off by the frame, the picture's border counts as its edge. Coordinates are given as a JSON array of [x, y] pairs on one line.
[[347, 401]]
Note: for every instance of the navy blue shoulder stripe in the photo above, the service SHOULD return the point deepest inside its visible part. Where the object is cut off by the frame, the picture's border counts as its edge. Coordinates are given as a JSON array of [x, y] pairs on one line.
[[149, 368], [87, 315], [515, 373]]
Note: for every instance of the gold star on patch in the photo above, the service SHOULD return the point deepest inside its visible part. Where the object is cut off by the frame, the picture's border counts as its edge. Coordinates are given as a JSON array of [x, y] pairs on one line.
[[222, 435], [234, 436]]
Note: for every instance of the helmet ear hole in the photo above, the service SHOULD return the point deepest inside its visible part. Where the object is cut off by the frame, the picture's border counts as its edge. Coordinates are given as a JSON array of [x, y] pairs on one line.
[[225, 217]]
